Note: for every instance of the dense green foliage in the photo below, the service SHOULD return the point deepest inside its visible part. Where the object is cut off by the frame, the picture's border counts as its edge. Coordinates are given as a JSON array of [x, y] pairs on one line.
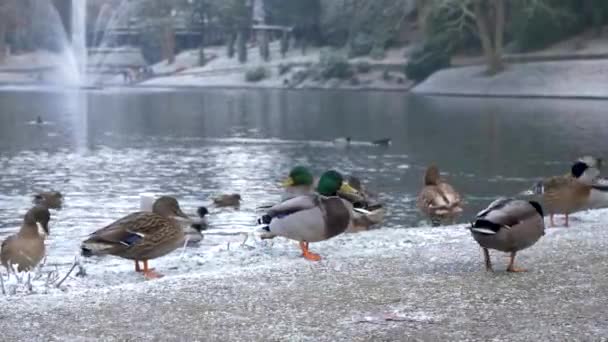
[[426, 59], [256, 74], [334, 64]]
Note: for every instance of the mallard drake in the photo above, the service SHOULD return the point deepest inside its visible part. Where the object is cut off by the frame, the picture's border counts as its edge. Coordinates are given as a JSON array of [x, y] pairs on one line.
[[568, 193], [49, 199], [231, 200], [592, 161], [194, 232], [313, 217], [365, 215], [508, 225], [438, 200], [342, 142], [141, 236], [300, 181], [26, 248]]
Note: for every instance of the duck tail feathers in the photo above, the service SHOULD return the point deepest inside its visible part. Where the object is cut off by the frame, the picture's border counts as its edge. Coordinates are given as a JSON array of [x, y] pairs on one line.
[[89, 249]]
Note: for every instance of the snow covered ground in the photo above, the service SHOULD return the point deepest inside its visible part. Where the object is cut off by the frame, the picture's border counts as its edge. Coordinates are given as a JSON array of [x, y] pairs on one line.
[[392, 284], [222, 71], [580, 78]]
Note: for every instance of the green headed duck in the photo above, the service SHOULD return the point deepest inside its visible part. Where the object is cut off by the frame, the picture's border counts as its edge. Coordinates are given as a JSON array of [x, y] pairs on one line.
[[313, 217]]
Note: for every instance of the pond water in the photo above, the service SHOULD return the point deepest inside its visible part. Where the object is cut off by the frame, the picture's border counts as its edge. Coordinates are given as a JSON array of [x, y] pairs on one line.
[[103, 148]]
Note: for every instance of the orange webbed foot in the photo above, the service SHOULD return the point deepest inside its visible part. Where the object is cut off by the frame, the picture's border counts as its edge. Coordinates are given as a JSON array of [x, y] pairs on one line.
[[514, 269], [308, 255], [152, 274], [311, 256]]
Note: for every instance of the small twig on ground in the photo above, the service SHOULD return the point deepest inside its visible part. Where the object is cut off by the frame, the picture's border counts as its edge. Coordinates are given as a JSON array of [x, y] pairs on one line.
[[29, 282], [82, 272], [246, 238], [186, 240], [2, 283], [67, 275]]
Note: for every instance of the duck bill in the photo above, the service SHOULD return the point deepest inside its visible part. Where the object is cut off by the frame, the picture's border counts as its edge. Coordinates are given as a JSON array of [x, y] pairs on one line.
[[181, 217], [287, 182], [347, 189]]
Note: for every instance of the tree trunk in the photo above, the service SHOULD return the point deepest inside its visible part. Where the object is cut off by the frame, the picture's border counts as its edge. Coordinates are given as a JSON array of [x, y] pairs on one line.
[[264, 45], [170, 44], [422, 9], [201, 49], [491, 51], [499, 11], [241, 44], [3, 29], [284, 43], [231, 42]]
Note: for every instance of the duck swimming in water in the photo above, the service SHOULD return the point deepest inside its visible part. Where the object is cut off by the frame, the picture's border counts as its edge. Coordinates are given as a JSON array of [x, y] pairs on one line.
[[438, 200]]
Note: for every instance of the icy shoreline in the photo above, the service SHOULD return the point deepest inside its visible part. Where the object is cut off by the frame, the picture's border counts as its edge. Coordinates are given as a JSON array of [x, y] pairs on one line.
[[429, 283]]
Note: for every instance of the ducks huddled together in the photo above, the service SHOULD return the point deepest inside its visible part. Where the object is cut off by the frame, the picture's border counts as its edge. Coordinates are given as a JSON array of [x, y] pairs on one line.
[[313, 210]]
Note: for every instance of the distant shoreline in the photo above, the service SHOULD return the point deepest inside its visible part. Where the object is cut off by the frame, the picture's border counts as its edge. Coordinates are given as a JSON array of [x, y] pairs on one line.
[[404, 90], [565, 79]]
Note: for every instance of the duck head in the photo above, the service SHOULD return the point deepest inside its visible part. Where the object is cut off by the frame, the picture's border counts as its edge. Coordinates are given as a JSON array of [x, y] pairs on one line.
[[38, 216], [168, 206], [592, 161], [331, 182], [298, 176], [584, 173], [432, 176], [49, 199]]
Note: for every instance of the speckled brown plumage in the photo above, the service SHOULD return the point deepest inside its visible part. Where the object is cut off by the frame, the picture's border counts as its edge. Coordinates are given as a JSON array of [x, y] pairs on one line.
[[141, 235], [161, 236]]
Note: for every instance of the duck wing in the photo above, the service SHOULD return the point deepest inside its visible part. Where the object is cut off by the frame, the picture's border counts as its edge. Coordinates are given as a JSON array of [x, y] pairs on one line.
[[452, 196], [294, 205], [130, 229], [503, 213]]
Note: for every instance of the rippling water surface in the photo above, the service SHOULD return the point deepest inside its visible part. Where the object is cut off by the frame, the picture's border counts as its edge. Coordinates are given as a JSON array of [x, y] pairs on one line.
[[103, 148]]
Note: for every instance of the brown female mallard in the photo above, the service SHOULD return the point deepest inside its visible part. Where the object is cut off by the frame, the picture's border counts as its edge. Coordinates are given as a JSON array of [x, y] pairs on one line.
[[231, 200], [366, 213], [438, 200], [26, 248], [568, 193], [508, 225], [141, 236]]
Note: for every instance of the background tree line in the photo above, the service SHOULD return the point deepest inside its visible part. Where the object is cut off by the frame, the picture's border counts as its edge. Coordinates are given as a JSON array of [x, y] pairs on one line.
[[437, 28]]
